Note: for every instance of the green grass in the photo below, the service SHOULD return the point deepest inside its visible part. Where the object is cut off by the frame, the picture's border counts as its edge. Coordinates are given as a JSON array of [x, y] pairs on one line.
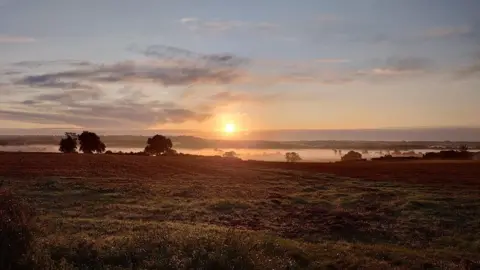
[[250, 219]]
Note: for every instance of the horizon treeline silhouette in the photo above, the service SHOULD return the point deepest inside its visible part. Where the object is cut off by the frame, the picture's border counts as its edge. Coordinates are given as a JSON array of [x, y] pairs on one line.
[[91, 143]]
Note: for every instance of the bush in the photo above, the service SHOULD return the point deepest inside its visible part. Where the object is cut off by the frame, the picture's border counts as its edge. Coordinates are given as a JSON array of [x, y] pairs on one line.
[[450, 154], [352, 156], [230, 154], [16, 230], [292, 157], [392, 158]]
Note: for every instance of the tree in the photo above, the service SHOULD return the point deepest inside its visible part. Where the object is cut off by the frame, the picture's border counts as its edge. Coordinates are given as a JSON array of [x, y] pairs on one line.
[[158, 145], [292, 157], [171, 152], [230, 154], [91, 143], [463, 148], [352, 155], [69, 143]]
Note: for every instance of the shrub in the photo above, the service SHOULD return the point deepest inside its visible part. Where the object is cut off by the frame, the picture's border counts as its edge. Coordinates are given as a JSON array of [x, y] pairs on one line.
[[450, 154], [16, 230], [292, 157], [230, 154], [351, 156]]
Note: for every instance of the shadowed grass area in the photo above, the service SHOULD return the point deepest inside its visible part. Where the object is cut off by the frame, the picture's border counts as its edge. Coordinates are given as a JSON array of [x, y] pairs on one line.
[[250, 218], [180, 246]]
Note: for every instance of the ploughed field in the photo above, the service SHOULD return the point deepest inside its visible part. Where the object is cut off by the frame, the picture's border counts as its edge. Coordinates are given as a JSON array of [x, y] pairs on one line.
[[124, 212]]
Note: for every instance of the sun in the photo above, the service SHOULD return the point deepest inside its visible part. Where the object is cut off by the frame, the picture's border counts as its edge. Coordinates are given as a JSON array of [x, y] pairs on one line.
[[229, 128]]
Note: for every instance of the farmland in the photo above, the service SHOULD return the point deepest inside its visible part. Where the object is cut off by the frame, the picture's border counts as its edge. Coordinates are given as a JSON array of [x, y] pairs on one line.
[[124, 212]]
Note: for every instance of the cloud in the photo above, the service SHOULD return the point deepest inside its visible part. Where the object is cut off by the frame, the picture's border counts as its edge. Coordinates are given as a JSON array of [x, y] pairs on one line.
[[470, 70], [409, 63], [11, 72], [332, 61], [68, 97], [5, 89], [327, 18], [185, 57], [36, 64], [183, 115], [15, 39], [218, 26], [396, 66], [228, 97], [446, 32], [128, 72], [172, 67], [51, 81], [90, 109]]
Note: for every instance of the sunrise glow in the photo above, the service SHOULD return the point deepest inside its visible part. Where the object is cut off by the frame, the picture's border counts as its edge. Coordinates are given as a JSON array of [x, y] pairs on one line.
[[229, 128]]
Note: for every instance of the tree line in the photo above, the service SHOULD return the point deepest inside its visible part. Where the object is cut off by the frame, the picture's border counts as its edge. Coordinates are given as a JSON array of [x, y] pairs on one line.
[[158, 145], [91, 143]]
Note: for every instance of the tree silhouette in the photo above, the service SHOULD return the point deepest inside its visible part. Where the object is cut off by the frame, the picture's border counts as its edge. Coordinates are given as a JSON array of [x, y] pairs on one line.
[[292, 157], [159, 145], [230, 154], [463, 148], [352, 155], [69, 143], [90, 143]]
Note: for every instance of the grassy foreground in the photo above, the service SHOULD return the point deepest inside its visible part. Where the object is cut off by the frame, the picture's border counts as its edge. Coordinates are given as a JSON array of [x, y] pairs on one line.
[[107, 212]]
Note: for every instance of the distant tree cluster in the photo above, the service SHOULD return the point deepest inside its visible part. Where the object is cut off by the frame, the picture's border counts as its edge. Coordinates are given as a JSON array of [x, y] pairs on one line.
[[230, 154], [292, 157], [89, 143], [352, 156]]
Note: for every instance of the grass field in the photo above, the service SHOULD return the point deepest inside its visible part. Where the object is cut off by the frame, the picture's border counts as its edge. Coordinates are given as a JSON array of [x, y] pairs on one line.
[[134, 212]]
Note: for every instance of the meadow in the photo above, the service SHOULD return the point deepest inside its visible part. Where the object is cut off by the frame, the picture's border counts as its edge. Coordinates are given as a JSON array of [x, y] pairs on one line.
[[139, 212]]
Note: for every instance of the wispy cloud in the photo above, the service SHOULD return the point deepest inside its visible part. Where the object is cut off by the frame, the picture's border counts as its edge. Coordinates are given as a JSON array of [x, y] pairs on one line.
[[229, 97], [173, 67], [397, 66], [51, 81], [226, 98], [36, 64], [327, 18], [471, 69], [332, 60], [218, 26], [446, 32], [66, 97], [16, 39], [90, 109]]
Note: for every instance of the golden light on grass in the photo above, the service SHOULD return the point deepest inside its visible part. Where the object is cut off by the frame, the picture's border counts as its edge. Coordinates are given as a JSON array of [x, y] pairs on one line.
[[229, 128]]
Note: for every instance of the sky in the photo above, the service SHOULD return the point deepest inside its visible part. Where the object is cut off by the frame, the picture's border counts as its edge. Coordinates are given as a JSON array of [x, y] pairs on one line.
[[260, 65]]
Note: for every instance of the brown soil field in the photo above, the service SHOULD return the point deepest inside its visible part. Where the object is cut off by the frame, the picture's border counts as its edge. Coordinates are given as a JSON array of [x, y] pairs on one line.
[[48, 164], [447, 172]]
